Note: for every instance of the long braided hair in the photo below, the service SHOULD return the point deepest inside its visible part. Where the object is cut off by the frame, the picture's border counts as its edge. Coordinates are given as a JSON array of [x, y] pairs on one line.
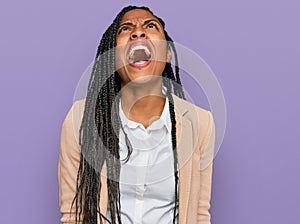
[[102, 98]]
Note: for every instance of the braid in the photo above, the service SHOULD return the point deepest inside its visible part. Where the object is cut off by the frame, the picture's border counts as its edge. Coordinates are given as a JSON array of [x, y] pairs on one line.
[[103, 88], [178, 88], [173, 134]]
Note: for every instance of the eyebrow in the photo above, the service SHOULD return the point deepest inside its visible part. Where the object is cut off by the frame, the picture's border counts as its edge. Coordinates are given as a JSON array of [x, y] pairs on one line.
[[145, 22], [150, 20]]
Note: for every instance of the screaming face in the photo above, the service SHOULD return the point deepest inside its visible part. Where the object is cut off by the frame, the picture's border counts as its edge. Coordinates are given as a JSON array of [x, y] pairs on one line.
[[141, 47]]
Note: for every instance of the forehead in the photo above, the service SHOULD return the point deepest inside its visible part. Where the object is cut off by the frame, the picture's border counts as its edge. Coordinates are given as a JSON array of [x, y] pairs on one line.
[[137, 14]]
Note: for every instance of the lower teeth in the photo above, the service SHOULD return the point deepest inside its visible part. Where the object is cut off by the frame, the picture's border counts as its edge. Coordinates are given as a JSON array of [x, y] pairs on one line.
[[140, 62]]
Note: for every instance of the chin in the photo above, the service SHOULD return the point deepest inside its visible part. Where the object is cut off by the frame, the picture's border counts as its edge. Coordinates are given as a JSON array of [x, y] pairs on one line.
[[144, 79]]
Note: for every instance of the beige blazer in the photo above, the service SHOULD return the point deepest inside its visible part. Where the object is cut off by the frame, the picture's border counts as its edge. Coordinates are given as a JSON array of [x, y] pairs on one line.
[[195, 147]]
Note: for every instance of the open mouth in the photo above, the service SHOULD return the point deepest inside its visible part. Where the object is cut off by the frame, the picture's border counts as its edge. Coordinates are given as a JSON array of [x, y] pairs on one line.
[[139, 54]]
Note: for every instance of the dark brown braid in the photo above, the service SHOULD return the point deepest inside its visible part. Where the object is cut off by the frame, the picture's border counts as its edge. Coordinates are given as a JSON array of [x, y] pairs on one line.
[[101, 101]]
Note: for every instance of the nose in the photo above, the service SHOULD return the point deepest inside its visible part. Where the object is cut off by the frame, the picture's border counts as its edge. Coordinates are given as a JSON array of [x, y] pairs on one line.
[[138, 33]]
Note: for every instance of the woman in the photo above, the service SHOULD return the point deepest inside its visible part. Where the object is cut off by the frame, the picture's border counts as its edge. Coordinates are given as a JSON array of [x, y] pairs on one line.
[[106, 177]]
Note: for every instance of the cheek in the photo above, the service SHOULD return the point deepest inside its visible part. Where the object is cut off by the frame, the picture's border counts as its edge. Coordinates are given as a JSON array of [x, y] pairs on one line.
[[161, 51], [121, 39], [120, 56], [118, 59]]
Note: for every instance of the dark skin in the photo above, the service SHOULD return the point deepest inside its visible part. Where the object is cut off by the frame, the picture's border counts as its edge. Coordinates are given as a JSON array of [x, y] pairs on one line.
[[141, 97]]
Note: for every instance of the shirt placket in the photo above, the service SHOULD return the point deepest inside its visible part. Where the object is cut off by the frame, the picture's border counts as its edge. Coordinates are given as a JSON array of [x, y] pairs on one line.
[[141, 188]]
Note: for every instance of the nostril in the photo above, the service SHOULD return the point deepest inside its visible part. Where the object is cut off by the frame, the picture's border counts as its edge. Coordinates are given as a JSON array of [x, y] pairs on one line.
[[134, 36], [143, 35]]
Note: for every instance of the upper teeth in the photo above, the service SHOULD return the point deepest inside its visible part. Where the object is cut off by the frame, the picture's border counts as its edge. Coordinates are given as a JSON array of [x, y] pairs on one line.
[[140, 47]]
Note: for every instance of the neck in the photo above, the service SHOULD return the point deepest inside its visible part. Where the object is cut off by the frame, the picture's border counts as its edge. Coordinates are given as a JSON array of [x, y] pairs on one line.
[[142, 102]]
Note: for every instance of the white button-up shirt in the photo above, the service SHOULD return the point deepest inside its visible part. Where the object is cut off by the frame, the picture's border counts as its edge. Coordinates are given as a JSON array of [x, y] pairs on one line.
[[147, 183]]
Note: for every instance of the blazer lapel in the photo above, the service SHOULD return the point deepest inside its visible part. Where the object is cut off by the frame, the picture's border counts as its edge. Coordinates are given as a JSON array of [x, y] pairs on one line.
[[184, 152]]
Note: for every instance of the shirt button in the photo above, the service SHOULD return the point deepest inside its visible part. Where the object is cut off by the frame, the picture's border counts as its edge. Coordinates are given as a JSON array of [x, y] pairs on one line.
[[140, 196]]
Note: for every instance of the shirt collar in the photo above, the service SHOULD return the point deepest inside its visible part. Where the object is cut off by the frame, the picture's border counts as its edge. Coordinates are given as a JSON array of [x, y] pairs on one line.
[[164, 119]]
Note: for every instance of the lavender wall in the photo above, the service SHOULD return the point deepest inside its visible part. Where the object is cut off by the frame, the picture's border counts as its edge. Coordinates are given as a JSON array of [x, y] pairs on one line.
[[253, 48]]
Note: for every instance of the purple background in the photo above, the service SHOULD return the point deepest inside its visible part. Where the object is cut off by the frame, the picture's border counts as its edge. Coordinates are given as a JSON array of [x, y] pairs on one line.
[[252, 47]]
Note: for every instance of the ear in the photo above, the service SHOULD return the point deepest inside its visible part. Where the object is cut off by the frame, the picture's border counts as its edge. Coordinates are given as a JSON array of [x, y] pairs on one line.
[[169, 54]]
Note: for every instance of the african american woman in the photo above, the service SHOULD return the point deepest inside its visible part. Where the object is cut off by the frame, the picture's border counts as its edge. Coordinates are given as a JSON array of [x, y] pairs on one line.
[[134, 150]]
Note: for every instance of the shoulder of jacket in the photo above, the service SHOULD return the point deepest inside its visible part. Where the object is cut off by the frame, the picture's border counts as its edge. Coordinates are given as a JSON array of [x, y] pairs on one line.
[[74, 117]]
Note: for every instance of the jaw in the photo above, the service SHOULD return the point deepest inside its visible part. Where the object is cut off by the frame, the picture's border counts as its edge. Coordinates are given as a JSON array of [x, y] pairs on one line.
[[142, 86]]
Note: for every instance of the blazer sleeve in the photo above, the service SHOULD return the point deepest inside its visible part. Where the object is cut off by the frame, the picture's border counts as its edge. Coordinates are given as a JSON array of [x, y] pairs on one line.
[[68, 164], [206, 164]]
